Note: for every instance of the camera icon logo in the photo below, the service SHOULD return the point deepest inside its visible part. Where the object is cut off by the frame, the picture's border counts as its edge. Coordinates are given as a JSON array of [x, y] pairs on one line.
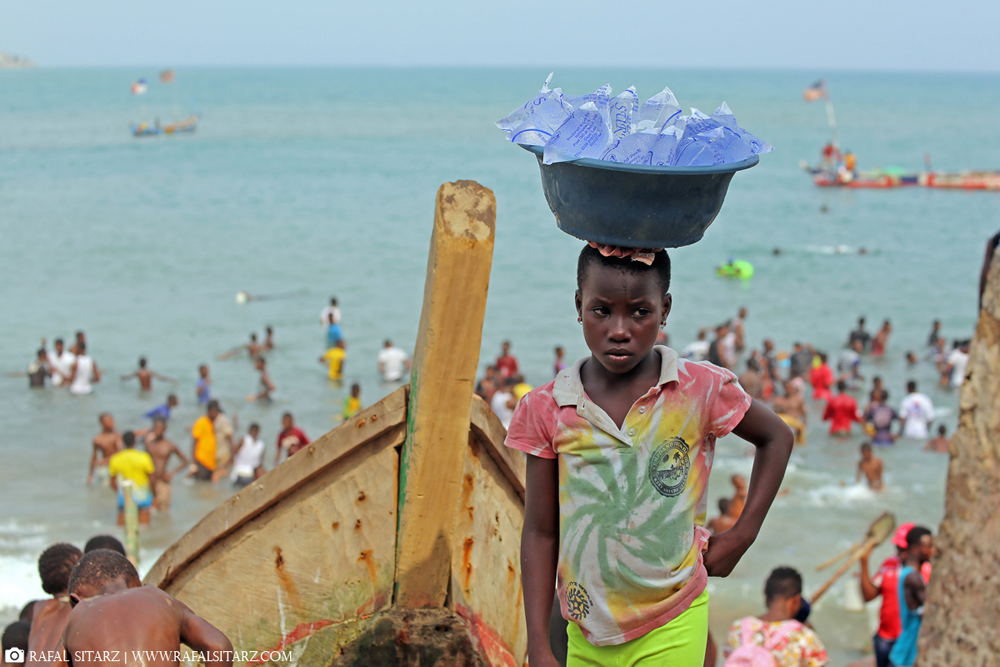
[[13, 654]]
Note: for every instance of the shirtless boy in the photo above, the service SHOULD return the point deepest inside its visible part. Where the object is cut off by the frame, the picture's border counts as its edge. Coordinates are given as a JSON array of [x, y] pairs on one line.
[[725, 520], [941, 443], [160, 450], [871, 467], [107, 443], [48, 617], [146, 375], [114, 616]]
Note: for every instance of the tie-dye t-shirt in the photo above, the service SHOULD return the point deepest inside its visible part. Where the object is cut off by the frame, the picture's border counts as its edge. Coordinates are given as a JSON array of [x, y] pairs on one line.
[[632, 500]]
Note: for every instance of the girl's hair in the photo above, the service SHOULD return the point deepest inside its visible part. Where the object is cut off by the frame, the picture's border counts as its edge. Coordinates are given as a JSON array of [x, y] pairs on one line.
[[660, 268]]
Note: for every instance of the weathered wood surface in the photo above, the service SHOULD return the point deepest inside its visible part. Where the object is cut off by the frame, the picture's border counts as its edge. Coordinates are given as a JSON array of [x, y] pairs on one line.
[[442, 383], [385, 418], [303, 576], [961, 626], [485, 568]]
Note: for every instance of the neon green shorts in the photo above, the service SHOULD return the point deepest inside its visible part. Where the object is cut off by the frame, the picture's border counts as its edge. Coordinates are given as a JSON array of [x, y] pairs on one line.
[[679, 643]]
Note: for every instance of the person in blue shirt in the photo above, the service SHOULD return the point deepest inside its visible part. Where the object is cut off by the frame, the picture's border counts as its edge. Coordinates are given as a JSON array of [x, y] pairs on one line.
[[912, 594], [163, 411]]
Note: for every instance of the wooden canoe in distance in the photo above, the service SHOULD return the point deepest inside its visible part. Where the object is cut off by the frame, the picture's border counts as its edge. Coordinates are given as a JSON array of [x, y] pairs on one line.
[[394, 538]]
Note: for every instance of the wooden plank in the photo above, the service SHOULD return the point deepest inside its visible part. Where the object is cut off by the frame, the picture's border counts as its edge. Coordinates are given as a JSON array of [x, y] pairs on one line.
[[442, 381], [486, 569], [302, 576], [491, 434], [384, 417]]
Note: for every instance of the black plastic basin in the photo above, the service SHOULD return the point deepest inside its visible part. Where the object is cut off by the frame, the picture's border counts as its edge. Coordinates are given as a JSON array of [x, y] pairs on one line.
[[635, 206]]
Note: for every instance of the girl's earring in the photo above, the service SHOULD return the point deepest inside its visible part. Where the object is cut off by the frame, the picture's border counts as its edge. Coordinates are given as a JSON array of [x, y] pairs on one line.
[[579, 320]]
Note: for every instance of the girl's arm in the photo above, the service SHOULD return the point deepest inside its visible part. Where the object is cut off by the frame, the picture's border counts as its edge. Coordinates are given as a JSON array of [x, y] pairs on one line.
[[539, 554], [773, 440]]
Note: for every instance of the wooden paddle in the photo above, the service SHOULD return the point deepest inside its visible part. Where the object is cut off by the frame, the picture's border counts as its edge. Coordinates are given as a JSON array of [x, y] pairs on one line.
[[880, 529]]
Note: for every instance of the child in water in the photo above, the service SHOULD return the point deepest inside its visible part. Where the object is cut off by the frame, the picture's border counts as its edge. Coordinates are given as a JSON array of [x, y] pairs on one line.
[[620, 448]]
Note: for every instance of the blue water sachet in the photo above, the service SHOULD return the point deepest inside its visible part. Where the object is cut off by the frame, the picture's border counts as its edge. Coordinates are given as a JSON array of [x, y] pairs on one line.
[[619, 129]]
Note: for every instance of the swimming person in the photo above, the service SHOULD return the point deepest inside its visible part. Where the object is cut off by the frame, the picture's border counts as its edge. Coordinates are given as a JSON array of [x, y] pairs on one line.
[[163, 411], [619, 452], [291, 438], [38, 370], [916, 413], [114, 615], [393, 363], [160, 450], [352, 404], [146, 375], [268, 338], [335, 357], [203, 445], [61, 363], [106, 444], [506, 363], [941, 443], [264, 384], [134, 466], [252, 348], [841, 411], [248, 458], [48, 617], [84, 372], [871, 467], [330, 315], [881, 416], [204, 385]]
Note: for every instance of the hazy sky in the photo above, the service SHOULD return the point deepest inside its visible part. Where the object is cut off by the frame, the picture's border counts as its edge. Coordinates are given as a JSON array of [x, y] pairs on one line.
[[842, 34]]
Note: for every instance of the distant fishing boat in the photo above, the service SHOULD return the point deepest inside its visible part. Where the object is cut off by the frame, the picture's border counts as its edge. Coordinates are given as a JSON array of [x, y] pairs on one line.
[[892, 178], [144, 129], [837, 170]]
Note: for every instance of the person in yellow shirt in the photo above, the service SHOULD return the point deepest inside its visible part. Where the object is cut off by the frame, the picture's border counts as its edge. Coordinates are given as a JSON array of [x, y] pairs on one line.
[[135, 467], [203, 444], [335, 357], [352, 404]]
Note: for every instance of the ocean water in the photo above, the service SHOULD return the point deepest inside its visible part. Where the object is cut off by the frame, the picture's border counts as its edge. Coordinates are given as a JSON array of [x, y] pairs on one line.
[[307, 183]]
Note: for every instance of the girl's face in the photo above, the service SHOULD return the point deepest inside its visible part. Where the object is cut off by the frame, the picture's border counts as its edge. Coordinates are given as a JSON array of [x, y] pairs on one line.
[[622, 312]]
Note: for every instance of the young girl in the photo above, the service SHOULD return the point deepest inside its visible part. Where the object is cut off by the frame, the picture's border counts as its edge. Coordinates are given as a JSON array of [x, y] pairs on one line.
[[620, 448]]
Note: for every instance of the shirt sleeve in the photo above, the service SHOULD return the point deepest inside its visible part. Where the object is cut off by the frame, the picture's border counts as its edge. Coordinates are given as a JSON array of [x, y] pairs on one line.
[[813, 651], [532, 426], [728, 405]]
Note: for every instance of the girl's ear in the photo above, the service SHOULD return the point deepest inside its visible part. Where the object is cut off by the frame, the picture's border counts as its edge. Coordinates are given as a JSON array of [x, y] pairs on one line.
[[578, 298], [668, 301]]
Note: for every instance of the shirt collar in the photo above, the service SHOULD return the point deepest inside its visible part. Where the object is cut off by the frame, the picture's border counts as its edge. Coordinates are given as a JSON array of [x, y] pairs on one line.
[[568, 387]]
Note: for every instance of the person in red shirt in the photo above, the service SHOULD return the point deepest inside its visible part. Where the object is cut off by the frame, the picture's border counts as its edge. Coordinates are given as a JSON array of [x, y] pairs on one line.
[[291, 438], [841, 410], [821, 378], [506, 362], [886, 583]]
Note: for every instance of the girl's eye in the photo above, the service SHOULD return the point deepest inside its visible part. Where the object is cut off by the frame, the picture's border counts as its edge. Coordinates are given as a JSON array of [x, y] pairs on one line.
[[642, 312], [601, 310]]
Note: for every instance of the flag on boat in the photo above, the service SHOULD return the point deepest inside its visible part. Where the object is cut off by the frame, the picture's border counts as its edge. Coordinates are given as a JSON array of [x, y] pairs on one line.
[[139, 87], [167, 76], [817, 91]]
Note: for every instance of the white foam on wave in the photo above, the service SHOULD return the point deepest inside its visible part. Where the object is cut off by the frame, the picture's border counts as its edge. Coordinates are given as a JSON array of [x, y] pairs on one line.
[[19, 583], [837, 495]]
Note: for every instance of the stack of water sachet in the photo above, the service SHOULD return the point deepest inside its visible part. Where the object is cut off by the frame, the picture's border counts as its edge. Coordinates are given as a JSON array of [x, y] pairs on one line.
[[620, 129]]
